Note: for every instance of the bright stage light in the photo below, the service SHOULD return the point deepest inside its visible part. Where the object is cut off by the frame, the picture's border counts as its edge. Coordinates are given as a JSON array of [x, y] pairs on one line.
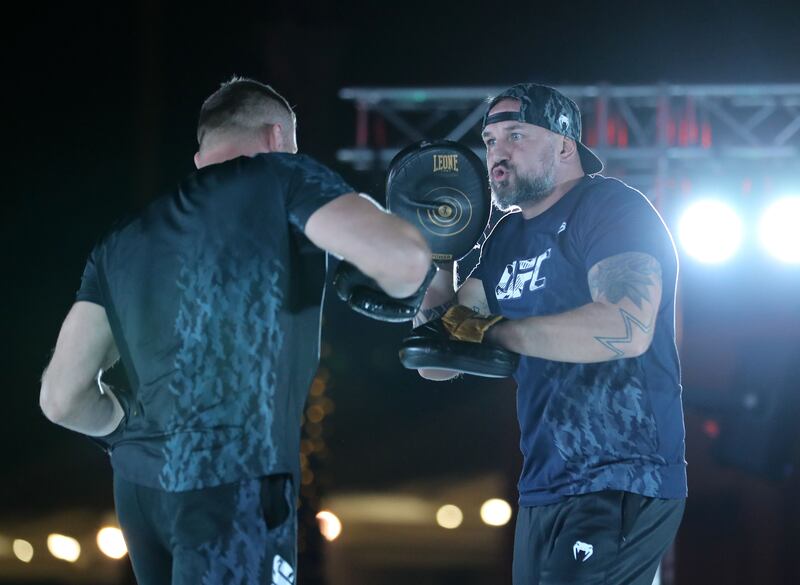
[[710, 231], [111, 542], [496, 512], [779, 230], [23, 550], [63, 547], [449, 516], [329, 525]]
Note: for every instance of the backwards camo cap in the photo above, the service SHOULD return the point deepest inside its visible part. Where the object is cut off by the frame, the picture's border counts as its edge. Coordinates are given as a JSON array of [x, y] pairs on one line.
[[550, 109]]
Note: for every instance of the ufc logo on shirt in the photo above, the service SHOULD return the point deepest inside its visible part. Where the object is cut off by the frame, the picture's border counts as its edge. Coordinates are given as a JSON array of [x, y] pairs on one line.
[[521, 275]]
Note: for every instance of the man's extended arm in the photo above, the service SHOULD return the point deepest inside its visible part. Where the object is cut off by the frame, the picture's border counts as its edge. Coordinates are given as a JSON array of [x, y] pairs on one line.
[[382, 246], [619, 323]]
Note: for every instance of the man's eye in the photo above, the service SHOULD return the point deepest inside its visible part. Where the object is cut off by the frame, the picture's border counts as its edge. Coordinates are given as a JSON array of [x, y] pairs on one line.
[[489, 141], [516, 136]]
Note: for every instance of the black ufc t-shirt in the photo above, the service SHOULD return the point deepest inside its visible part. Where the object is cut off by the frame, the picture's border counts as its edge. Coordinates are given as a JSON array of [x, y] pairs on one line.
[[614, 425], [213, 294]]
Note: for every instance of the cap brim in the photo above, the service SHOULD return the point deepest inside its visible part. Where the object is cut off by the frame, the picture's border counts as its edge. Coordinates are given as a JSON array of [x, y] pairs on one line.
[[589, 161]]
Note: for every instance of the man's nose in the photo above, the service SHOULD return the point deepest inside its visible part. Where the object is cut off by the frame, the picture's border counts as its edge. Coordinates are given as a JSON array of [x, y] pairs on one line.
[[496, 155]]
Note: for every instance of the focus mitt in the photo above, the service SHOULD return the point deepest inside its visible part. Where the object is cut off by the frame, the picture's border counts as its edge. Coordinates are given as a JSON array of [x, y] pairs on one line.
[[454, 343], [441, 188], [365, 296]]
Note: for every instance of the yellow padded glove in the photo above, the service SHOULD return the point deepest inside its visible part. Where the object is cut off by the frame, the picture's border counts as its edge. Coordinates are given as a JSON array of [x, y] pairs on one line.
[[464, 324]]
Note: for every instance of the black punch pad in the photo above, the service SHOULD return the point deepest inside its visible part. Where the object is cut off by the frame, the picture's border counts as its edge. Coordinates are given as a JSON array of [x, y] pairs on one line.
[[442, 189], [429, 346]]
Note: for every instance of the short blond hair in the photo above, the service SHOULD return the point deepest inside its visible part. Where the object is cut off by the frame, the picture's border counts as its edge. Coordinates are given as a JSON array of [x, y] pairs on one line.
[[243, 105]]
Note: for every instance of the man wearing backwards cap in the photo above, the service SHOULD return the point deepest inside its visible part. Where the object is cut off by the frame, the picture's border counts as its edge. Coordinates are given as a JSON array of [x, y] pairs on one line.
[[583, 274]]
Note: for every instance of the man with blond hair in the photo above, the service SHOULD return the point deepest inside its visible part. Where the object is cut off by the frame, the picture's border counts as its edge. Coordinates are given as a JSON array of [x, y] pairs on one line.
[[211, 298]]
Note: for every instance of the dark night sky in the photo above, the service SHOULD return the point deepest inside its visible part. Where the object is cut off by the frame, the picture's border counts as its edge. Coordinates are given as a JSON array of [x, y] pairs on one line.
[[103, 102]]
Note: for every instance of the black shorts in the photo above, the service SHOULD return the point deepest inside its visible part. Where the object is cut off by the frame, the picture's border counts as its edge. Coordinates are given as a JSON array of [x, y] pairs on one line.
[[240, 533], [610, 537]]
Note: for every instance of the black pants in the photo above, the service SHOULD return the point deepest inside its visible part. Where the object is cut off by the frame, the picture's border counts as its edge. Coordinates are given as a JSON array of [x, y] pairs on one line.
[[605, 538], [241, 533]]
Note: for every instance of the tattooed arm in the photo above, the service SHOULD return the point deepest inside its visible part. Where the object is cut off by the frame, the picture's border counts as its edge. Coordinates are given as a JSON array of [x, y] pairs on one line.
[[631, 284], [619, 323]]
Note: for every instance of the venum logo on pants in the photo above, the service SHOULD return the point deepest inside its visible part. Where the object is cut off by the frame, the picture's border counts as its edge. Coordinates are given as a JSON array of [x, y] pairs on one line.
[[521, 275], [582, 551], [282, 572]]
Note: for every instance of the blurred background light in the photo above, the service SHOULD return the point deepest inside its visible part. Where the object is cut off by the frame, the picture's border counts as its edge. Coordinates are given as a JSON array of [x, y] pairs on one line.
[[779, 230], [710, 231], [111, 542], [5, 547], [496, 512], [395, 509], [63, 547], [449, 516], [329, 525], [23, 550]]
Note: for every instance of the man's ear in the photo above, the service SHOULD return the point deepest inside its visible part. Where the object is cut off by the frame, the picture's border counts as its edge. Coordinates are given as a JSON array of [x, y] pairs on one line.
[[197, 159], [276, 140], [569, 148]]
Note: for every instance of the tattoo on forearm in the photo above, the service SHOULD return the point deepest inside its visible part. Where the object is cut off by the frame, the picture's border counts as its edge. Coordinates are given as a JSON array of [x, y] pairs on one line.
[[426, 315], [625, 275], [479, 309], [612, 343]]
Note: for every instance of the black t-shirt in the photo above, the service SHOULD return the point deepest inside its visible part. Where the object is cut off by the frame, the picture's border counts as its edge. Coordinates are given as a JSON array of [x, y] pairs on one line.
[[590, 427], [213, 294]]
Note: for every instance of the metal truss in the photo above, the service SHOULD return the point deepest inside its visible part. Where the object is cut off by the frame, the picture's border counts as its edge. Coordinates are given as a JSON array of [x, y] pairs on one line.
[[654, 136]]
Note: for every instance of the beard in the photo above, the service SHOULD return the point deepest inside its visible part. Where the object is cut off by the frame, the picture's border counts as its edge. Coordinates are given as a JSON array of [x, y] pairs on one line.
[[525, 189]]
